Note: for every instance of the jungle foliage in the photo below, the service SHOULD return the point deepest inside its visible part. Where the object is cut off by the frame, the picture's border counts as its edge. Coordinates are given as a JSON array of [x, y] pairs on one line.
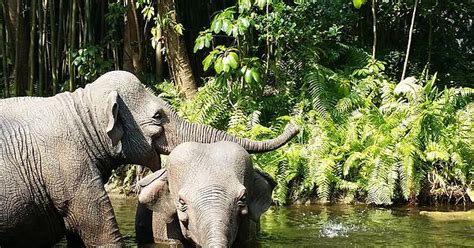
[[365, 135], [334, 67]]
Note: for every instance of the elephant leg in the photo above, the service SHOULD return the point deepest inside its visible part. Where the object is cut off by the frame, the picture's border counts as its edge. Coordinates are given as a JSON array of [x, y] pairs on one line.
[[166, 230], [74, 241], [91, 217], [247, 234], [143, 225]]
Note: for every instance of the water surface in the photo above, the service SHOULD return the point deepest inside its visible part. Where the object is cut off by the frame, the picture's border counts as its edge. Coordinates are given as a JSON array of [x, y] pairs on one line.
[[345, 226]]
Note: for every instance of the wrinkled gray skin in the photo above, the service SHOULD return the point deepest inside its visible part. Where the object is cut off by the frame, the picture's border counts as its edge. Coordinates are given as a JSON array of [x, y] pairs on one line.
[[208, 193], [56, 153]]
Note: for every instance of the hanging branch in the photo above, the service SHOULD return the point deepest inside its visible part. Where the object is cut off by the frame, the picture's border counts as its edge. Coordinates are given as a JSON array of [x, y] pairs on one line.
[[409, 40]]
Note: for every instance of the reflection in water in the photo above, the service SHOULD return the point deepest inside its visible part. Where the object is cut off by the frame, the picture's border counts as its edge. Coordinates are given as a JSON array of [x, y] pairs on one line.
[[342, 225]]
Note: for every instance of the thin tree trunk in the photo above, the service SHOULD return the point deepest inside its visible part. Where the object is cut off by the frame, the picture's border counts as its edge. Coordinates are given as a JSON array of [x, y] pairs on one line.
[[88, 22], [60, 43], [409, 40], [374, 19], [11, 23], [430, 42], [3, 51], [72, 43], [54, 52], [159, 57], [21, 49], [176, 52], [31, 55], [42, 47]]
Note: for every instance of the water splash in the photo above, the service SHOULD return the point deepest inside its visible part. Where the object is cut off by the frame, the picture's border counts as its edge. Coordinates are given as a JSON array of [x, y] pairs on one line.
[[336, 229]]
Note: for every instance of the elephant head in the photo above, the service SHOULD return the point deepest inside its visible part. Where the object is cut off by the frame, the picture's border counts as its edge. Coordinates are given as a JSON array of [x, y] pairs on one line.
[[210, 189], [139, 125]]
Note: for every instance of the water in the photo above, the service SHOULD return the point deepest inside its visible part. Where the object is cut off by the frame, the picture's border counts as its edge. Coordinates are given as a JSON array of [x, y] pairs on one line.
[[345, 226]]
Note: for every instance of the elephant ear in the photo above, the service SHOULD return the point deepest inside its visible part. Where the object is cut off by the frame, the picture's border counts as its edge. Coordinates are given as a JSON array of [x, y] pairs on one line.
[[261, 194], [155, 193], [114, 128]]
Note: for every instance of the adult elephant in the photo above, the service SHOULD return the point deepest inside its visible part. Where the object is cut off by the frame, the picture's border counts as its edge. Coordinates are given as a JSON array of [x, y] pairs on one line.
[[208, 194], [56, 153]]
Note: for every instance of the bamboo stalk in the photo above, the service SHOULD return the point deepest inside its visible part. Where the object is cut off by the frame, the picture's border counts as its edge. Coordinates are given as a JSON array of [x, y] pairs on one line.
[[31, 55], [60, 44], [53, 53], [73, 43], [3, 50], [41, 46]]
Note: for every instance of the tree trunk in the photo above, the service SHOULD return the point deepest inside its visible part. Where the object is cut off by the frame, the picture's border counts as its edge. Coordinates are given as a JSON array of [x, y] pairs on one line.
[[430, 42], [73, 44], [11, 23], [176, 51], [3, 51], [60, 42], [21, 49], [88, 22], [32, 52], [409, 40], [42, 47], [159, 57], [133, 55], [54, 53], [374, 28]]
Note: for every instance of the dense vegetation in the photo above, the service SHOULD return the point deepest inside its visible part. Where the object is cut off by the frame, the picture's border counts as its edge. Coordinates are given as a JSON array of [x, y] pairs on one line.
[[382, 120]]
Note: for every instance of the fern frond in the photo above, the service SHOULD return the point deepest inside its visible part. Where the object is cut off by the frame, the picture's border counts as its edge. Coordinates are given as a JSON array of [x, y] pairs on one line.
[[324, 176]]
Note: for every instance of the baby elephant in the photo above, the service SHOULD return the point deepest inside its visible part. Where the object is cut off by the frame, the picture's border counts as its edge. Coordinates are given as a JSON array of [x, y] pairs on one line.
[[208, 194]]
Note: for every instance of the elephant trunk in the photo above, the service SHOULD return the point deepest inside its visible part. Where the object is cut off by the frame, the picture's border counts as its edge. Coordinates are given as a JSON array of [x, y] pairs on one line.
[[217, 232], [192, 132]]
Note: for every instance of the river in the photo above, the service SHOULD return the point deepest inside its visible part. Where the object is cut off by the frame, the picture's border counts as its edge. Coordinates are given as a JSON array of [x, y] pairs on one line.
[[345, 226]]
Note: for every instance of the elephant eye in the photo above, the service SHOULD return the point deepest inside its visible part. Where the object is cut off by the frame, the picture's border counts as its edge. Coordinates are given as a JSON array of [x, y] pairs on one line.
[[157, 115], [243, 200], [182, 205]]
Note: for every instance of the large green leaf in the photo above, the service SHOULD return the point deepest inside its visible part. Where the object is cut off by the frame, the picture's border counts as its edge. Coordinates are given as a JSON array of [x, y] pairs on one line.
[[207, 61], [358, 3], [233, 60], [218, 65]]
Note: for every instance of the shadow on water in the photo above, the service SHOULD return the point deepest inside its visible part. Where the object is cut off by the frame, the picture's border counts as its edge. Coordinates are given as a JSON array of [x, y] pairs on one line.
[[343, 225]]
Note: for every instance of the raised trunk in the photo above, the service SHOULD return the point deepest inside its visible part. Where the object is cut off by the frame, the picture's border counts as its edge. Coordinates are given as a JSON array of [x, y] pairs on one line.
[[207, 134], [178, 130]]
